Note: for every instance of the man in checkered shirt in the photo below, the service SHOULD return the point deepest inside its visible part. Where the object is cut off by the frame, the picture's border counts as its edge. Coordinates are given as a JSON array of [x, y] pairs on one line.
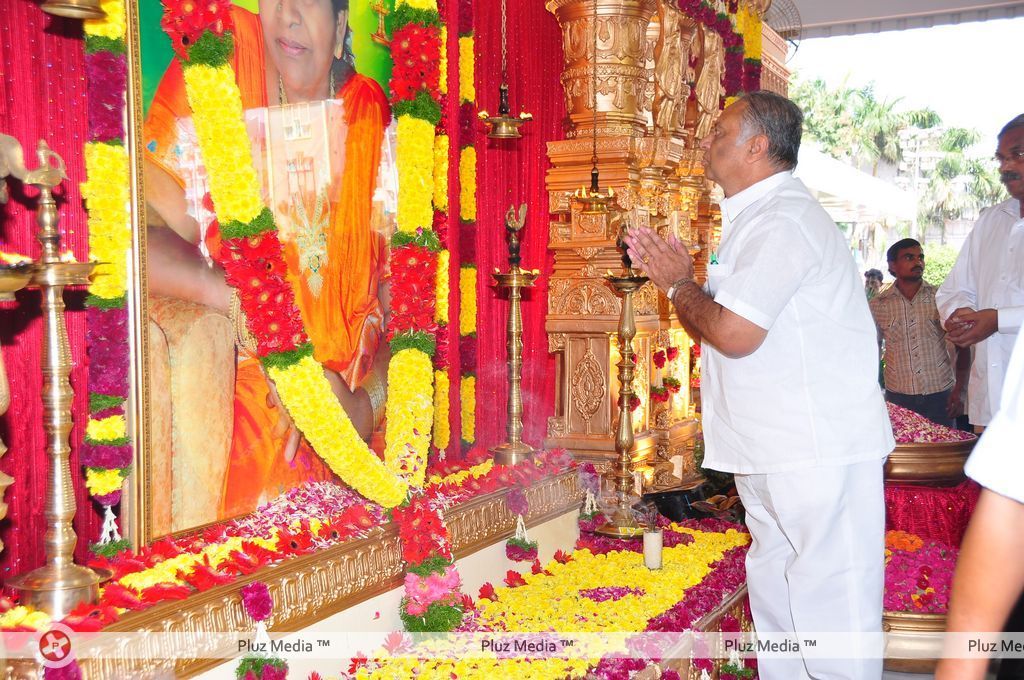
[[918, 371]]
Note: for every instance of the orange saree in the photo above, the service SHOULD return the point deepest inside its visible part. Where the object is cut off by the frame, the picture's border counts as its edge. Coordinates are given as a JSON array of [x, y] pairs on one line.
[[341, 309]]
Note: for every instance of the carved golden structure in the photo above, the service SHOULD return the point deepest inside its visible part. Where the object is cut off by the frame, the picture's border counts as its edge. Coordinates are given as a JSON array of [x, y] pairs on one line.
[[59, 585], [647, 59]]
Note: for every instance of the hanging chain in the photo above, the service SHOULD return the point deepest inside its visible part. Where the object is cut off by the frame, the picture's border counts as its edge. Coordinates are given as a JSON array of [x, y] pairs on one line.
[[593, 91], [504, 48]]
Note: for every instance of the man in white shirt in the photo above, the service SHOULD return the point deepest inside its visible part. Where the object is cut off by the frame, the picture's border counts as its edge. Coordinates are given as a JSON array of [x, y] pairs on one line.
[[990, 572], [982, 299], [790, 398]]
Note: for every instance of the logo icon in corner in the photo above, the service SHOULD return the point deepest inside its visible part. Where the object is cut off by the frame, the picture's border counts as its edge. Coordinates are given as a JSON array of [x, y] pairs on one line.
[[55, 646]]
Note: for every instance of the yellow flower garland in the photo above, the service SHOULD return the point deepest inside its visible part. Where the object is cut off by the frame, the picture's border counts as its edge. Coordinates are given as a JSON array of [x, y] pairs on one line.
[[467, 293], [748, 24], [318, 415], [441, 144], [101, 482], [442, 430], [442, 83], [418, 4], [441, 287], [467, 70], [113, 25], [467, 184], [220, 126], [106, 429], [410, 415], [468, 393], [415, 147], [106, 195]]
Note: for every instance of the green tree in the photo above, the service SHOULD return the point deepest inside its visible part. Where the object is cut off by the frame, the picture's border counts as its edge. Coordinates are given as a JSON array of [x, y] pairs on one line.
[[938, 261], [960, 185]]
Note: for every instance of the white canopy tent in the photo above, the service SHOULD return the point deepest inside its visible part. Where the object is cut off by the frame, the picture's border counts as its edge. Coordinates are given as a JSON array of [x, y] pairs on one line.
[[849, 194], [825, 18]]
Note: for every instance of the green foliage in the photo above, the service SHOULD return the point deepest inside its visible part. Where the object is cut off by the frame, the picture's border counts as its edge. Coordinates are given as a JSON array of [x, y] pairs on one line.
[[97, 302], [413, 340], [110, 548], [425, 238], [524, 545], [282, 360], [264, 221], [431, 565], [211, 49], [439, 618], [100, 43], [404, 15], [938, 261], [254, 663], [423, 107], [101, 402]]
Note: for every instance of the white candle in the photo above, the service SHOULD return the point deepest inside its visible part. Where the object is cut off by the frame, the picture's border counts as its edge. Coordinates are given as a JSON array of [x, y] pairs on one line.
[[652, 549]]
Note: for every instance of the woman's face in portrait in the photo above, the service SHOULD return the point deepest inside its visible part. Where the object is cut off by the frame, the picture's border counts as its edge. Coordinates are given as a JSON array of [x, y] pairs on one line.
[[301, 38]]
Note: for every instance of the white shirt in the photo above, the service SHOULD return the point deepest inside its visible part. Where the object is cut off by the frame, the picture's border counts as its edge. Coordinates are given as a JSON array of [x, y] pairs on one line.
[[989, 274], [809, 394], [996, 462]]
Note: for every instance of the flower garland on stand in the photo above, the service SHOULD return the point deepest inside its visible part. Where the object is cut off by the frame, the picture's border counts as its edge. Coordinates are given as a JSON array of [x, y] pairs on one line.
[[258, 604], [107, 451], [519, 548], [467, 159], [253, 261]]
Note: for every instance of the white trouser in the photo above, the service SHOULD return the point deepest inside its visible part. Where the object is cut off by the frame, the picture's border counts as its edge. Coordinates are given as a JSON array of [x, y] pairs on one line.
[[816, 562]]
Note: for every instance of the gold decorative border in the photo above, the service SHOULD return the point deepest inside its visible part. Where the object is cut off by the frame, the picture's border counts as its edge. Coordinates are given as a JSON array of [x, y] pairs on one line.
[[312, 587]]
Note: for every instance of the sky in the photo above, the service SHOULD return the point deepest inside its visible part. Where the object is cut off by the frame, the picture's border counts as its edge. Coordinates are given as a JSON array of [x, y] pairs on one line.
[[970, 74]]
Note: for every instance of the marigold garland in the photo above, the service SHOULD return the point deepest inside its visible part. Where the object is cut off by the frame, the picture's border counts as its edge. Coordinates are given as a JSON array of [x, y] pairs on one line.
[[442, 429], [442, 84], [468, 393], [415, 150], [107, 452], [442, 290], [467, 184], [441, 144], [467, 309], [467, 70]]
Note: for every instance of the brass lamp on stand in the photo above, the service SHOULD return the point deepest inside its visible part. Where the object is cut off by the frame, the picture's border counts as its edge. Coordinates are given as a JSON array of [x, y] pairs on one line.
[[59, 585], [621, 521], [514, 449]]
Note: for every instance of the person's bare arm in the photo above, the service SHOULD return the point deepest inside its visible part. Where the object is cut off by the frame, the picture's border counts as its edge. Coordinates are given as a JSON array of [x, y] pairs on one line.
[[988, 580]]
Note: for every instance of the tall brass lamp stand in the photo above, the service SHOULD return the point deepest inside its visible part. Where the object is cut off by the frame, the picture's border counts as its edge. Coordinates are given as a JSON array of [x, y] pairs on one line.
[[514, 450], [59, 585], [621, 521]]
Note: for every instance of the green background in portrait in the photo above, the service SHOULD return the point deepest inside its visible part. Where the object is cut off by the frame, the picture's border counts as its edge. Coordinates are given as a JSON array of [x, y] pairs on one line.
[[372, 59]]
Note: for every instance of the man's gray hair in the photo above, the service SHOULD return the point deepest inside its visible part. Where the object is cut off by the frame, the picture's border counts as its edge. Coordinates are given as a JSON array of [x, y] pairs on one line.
[[1017, 122], [779, 119]]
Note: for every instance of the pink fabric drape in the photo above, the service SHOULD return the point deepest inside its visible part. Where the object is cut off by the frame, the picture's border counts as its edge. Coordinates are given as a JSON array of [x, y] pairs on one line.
[[933, 513], [42, 96], [513, 172]]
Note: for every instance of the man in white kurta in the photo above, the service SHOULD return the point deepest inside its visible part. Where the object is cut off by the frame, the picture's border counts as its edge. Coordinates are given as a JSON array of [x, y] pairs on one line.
[[791, 402], [982, 300], [989, 572]]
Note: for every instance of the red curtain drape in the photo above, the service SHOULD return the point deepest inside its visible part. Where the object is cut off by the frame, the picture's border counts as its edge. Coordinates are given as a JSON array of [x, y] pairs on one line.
[[42, 96], [512, 172]]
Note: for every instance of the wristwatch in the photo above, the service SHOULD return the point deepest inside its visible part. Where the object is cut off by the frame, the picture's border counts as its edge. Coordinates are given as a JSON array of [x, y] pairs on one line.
[[674, 288]]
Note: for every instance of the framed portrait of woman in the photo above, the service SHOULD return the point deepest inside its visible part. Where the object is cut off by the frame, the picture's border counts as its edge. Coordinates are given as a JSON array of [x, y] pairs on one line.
[[217, 441]]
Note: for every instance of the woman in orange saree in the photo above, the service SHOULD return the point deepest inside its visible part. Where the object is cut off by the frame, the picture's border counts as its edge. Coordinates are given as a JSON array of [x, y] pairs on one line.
[[291, 55]]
